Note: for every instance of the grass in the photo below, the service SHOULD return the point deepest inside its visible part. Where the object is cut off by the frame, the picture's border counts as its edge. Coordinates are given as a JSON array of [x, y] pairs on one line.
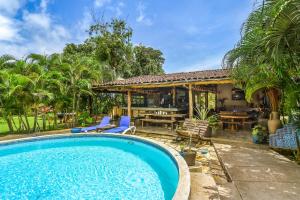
[[4, 127]]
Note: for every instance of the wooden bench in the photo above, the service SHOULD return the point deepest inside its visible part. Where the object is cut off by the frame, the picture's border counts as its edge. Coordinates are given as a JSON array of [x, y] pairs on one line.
[[159, 121], [197, 128]]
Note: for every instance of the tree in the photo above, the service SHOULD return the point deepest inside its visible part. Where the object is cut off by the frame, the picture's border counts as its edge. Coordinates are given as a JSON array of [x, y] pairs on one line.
[[113, 45], [269, 50], [147, 61], [13, 89], [63, 81]]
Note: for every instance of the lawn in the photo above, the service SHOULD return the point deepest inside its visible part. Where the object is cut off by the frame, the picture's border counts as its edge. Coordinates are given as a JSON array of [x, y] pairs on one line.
[[4, 128]]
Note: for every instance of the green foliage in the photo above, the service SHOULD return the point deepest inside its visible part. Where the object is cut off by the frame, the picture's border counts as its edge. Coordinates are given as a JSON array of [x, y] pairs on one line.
[[213, 122], [260, 133], [268, 55], [63, 82], [84, 119], [147, 61], [201, 113]]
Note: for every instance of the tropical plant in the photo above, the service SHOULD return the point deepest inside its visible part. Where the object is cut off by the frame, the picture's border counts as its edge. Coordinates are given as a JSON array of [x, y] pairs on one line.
[[44, 85], [259, 134], [201, 113], [213, 122], [268, 54]]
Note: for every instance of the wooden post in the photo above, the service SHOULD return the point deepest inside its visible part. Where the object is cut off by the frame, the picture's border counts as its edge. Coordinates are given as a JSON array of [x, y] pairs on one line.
[[191, 107], [174, 96], [129, 103]]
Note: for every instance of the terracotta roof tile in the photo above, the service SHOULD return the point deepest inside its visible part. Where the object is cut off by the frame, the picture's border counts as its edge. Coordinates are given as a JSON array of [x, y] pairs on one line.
[[174, 77]]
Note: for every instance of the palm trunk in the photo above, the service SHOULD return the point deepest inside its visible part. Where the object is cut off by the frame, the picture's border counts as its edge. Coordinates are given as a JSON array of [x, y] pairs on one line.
[[44, 121], [55, 119], [77, 108], [74, 109], [9, 124], [273, 95], [24, 124], [20, 123], [49, 121], [14, 123], [35, 120], [27, 122]]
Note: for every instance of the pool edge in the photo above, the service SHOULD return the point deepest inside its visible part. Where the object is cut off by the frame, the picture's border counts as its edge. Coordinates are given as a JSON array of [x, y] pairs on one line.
[[183, 187]]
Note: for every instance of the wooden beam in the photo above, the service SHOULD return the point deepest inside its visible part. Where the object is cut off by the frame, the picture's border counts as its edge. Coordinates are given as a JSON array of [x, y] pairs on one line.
[[129, 103], [191, 106]]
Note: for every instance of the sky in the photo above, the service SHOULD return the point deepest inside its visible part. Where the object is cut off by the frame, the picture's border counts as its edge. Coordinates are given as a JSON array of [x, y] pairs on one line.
[[192, 34]]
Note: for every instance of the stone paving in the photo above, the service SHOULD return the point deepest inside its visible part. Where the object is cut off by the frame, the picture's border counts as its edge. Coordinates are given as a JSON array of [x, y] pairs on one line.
[[205, 173], [258, 173]]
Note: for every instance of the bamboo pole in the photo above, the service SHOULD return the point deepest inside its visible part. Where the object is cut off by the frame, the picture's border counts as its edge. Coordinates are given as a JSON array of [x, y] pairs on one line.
[[174, 96], [191, 110], [129, 103]]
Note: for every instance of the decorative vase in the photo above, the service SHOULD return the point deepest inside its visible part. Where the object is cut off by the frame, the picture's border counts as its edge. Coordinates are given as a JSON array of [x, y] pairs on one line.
[[189, 157], [274, 122]]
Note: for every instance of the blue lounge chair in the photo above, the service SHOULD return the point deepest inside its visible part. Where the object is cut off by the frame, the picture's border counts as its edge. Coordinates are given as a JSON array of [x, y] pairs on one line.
[[123, 128], [104, 123]]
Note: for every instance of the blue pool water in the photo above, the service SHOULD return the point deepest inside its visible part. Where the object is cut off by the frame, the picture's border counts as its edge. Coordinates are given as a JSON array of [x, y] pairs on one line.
[[86, 168]]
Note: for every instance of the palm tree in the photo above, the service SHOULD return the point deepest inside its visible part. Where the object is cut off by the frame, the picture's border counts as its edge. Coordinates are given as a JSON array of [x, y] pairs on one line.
[[78, 76], [13, 87], [268, 51]]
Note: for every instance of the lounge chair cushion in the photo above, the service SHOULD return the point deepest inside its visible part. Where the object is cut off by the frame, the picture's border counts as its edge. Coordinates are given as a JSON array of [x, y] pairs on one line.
[[104, 122], [116, 130], [124, 121]]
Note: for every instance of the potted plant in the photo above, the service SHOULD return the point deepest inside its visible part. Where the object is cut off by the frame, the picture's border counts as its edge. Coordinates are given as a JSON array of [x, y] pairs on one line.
[[213, 122], [188, 154], [259, 134]]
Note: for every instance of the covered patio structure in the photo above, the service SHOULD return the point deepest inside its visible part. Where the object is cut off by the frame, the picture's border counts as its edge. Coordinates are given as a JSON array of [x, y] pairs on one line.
[[170, 98]]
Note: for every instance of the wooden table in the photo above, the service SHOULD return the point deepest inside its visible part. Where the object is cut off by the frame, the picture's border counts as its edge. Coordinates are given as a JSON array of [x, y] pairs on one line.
[[159, 118], [232, 118], [172, 116]]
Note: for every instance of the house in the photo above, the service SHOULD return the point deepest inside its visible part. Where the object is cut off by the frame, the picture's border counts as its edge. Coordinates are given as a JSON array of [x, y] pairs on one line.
[[180, 93]]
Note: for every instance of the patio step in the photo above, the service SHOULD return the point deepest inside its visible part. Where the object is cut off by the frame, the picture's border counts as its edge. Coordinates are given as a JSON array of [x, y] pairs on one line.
[[203, 187]]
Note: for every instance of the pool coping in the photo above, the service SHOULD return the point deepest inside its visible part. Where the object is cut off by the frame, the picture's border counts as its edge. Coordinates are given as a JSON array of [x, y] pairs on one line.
[[184, 183]]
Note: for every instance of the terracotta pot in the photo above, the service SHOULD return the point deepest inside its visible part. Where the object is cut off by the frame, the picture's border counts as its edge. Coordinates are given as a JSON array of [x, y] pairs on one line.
[[189, 157], [274, 122]]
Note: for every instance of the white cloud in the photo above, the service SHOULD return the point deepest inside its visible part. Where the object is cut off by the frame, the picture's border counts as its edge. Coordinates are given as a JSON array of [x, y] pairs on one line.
[[35, 32], [83, 26], [38, 20], [116, 9], [142, 16], [43, 5], [10, 7], [210, 62], [8, 29], [119, 7], [100, 3]]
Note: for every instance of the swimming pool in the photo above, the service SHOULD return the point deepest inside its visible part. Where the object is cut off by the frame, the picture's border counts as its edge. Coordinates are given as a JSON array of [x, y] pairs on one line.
[[87, 167]]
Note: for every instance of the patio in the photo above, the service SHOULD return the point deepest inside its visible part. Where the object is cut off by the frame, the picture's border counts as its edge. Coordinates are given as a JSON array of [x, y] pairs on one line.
[[240, 169]]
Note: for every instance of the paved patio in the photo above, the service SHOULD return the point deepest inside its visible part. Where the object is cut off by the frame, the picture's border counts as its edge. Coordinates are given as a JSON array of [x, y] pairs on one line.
[[204, 173], [257, 173]]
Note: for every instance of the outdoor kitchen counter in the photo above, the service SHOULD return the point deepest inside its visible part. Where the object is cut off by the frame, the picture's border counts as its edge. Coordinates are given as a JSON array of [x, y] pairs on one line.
[[155, 109]]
